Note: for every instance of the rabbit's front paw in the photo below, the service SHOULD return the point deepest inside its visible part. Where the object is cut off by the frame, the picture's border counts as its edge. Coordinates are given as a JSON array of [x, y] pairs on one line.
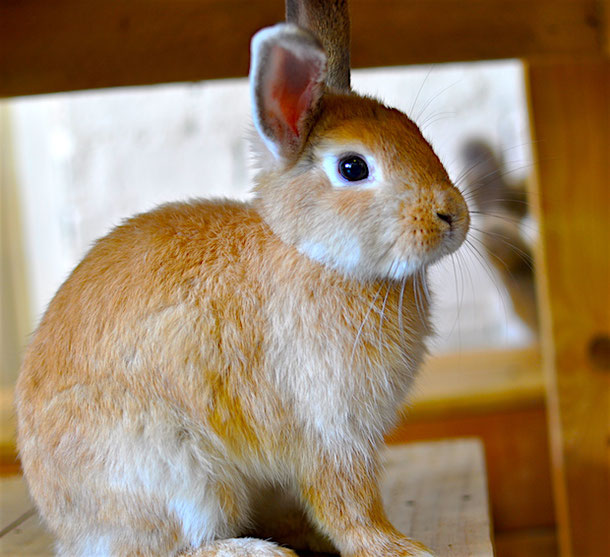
[[399, 548], [240, 547], [411, 548]]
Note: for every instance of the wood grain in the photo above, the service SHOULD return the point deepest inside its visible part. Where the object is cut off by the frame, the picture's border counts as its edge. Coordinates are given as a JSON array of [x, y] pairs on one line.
[[517, 455], [435, 492], [570, 111], [68, 45], [539, 542], [478, 382]]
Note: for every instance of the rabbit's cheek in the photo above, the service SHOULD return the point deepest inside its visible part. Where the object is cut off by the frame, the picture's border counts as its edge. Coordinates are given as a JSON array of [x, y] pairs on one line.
[[354, 204]]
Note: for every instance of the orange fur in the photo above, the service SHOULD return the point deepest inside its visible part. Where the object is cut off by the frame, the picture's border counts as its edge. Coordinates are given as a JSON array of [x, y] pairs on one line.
[[200, 353]]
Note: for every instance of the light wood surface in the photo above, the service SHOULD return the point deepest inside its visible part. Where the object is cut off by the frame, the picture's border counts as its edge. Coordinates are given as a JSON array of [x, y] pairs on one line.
[[538, 542], [570, 104], [434, 492], [70, 44], [478, 382], [437, 493], [517, 458]]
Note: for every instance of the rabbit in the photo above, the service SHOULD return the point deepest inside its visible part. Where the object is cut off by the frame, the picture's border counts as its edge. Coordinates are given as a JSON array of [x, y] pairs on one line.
[[208, 355], [502, 207]]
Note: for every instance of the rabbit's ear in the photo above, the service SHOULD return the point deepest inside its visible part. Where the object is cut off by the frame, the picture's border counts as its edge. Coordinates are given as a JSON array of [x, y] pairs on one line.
[[286, 81]]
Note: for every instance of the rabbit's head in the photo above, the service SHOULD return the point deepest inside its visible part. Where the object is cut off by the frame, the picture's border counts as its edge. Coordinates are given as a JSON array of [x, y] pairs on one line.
[[350, 183]]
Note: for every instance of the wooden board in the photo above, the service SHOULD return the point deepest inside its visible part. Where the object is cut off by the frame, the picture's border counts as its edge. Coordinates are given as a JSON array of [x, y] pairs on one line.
[[70, 44], [540, 542], [434, 492], [477, 382], [517, 460], [570, 108]]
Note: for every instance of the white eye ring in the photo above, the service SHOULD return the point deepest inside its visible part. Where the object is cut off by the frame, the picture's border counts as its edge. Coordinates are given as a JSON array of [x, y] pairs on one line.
[[331, 165]]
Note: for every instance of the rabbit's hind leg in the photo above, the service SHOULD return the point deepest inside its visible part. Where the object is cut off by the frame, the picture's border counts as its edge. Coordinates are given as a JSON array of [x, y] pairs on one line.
[[239, 547]]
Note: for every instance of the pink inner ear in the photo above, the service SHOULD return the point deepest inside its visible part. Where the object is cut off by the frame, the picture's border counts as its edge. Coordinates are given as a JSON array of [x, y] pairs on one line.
[[293, 86]]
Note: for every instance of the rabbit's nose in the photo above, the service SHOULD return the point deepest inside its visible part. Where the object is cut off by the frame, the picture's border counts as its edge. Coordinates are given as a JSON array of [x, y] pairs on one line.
[[451, 209], [448, 218]]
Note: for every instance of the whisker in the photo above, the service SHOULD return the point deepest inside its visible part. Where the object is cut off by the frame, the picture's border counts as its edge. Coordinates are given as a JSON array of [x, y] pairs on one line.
[[400, 308], [423, 110], [424, 281], [524, 256], [385, 301], [421, 87], [419, 296], [506, 200], [507, 218], [456, 321], [492, 276], [509, 168], [497, 160], [364, 320], [435, 118]]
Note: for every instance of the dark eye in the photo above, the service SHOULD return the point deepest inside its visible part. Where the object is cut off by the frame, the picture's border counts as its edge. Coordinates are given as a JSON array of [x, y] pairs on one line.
[[353, 168]]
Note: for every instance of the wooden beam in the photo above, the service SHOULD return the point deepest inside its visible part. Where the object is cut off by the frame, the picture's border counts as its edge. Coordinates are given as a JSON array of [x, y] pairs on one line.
[[605, 16], [570, 111], [70, 44], [526, 543], [478, 382]]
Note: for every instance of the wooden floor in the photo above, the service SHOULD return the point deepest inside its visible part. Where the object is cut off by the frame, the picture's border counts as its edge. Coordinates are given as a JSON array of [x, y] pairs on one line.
[[434, 492]]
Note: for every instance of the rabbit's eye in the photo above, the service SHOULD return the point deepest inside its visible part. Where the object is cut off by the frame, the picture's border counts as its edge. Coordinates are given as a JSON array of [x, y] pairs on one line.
[[353, 168]]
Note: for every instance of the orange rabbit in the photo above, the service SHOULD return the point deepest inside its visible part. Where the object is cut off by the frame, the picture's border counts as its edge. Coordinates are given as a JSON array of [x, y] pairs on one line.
[[205, 353]]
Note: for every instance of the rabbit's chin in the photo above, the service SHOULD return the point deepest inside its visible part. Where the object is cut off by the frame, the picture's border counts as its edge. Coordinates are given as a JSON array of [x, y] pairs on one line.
[[350, 262]]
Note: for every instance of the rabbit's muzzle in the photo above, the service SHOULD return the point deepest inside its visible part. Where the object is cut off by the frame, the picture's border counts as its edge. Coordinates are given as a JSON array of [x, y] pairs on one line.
[[434, 224]]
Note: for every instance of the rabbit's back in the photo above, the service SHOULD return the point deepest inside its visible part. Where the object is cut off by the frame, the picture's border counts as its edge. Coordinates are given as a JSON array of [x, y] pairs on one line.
[[151, 276]]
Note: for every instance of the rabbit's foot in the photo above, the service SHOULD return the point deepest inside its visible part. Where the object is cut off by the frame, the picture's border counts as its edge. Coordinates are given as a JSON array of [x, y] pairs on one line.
[[240, 547], [401, 548]]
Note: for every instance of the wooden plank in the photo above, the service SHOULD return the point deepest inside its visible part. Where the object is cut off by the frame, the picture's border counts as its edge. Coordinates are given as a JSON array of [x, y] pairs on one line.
[[478, 382], [15, 501], [8, 426], [526, 543], [27, 538], [605, 13], [435, 492], [517, 457], [69, 44], [398, 32], [571, 125]]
